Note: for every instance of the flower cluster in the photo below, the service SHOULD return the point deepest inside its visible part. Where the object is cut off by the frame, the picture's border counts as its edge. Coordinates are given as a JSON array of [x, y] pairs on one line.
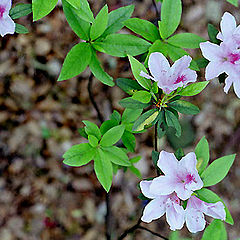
[[226, 56], [7, 25], [178, 184]]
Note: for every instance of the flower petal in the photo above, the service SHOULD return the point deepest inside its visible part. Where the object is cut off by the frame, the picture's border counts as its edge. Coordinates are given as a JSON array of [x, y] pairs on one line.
[[162, 185], [158, 65], [182, 192], [167, 163], [145, 188], [214, 69], [228, 84], [228, 25], [154, 209], [145, 75], [7, 26], [236, 86], [180, 65], [189, 162], [210, 51], [195, 220], [7, 4], [175, 215], [215, 210]]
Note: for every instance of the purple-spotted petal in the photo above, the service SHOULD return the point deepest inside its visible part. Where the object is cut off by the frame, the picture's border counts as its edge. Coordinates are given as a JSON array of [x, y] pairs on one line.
[[195, 220], [7, 26], [154, 209], [7, 4], [215, 210], [183, 192], [163, 185], [180, 65], [145, 189]]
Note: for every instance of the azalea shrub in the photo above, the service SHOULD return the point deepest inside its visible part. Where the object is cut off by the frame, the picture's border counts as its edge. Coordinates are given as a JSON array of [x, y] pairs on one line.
[[164, 73]]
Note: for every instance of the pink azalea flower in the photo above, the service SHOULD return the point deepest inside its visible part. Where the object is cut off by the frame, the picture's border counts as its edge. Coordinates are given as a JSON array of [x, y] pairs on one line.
[[7, 25], [156, 208], [180, 176], [229, 29], [169, 78], [196, 209]]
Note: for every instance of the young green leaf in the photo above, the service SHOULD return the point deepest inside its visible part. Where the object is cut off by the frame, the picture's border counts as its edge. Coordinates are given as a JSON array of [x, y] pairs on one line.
[[144, 28], [145, 120], [112, 136], [116, 19], [76, 61], [20, 10], [184, 107], [92, 129], [137, 67], [116, 155], [202, 62], [217, 170], [233, 2], [100, 23], [142, 96], [179, 153], [216, 230], [98, 72], [93, 141], [21, 29], [202, 154], [41, 8], [107, 125], [172, 121], [131, 103], [82, 132], [120, 45], [171, 12], [130, 115], [83, 9], [79, 155], [78, 25], [129, 141], [116, 116], [103, 169], [186, 40], [128, 85], [212, 33], [209, 196], [193, 89]]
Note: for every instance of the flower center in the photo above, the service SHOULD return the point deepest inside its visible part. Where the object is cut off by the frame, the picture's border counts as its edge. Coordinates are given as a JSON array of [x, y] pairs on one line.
[[189, 178], [179, 79], [2, 10], [233, 58]]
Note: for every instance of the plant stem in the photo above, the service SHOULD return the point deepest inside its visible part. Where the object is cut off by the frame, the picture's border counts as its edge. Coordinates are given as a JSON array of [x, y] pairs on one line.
[[153, 233], [156, 9]]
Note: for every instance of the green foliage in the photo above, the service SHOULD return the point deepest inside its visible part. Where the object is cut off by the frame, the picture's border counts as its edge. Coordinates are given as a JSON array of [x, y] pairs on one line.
[[186, 40], [100, 23], [171, 12], [193, 89], [73, 64], [93, 141], [217, 170], [128, 85], [41, 8], [129, 141], [144, 28], [216, 230], [20, 10], [202, 154], [132, 103], [142, 96], [120, 45], [179, 153], [92, 129], [131, 115], [209, 196], [233, 2], [20, 29], [172, 121], [184, 107], [155, 157], [212, 33]]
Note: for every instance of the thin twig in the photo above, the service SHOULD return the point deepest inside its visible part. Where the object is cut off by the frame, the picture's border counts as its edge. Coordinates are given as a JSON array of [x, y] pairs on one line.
[[156, 9], [153, 233], [130, 230]]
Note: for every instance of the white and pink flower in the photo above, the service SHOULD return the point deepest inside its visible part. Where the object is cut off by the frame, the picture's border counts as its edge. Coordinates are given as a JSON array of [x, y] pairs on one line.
[[7, 25], [169, 78]]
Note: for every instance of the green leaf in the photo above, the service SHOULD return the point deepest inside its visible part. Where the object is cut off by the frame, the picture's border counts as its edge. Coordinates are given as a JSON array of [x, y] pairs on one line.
[[202, 154], [20, 10], [184, 107], [116, 116], [129, 141], [135, 171], [186, 40], [172, 121], [116, 155], [79, 155], [76, 61], [103, 169], [209, 196], [212, 33], [20, 29], [131, 103], [155, 158], [202, 62], [217, 170], [143, 28], [130, 115], [171, 12], [233, 2], [83, 9], [92, 129], [112, 136], [128, 85], [142, 96], [137, 67], [41, 8], [93, 141], [98, 72], [82, 132], [120, 45], [107, 125], [179, 153], [193, 89], [100, 23], [145, 120], [116, 19], [216, 230], [78, 25]]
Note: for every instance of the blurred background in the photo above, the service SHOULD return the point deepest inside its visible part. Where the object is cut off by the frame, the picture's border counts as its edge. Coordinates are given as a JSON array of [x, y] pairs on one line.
[[40, 197]]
